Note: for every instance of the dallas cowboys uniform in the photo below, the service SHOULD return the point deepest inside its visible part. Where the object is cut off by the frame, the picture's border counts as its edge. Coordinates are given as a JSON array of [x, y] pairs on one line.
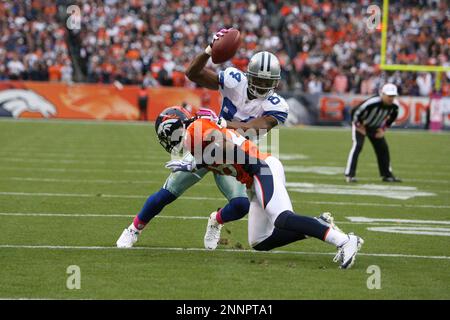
[[236, 106]]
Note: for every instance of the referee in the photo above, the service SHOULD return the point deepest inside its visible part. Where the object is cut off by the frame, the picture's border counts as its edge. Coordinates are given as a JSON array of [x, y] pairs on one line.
[[370, 119]]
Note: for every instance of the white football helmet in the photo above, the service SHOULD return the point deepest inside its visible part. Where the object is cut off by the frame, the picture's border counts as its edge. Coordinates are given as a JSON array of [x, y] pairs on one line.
[[263, 74]]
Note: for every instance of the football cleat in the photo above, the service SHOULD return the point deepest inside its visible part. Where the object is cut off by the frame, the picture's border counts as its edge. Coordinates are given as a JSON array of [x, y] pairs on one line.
[[349, 179], [391, 179], [347, 252], [212, 235], [128, 238], [329, 220]]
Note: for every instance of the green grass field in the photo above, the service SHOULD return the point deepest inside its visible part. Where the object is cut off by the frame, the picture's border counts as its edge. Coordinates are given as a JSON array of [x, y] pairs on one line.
[[68, 189]]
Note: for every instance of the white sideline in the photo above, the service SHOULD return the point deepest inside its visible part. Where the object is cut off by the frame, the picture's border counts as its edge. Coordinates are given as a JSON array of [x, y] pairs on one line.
[[85, 195], [386, 255]]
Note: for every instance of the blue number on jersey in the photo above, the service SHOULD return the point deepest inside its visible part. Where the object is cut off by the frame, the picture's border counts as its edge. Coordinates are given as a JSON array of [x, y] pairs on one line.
[[274, 100], [228, 109], [236, 75]]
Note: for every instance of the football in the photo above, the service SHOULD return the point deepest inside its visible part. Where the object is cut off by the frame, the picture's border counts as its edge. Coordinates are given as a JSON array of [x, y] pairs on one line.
[[225, 47]]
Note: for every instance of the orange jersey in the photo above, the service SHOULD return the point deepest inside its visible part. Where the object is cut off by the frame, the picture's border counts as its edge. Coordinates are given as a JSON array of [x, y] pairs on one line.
[[242, 162]]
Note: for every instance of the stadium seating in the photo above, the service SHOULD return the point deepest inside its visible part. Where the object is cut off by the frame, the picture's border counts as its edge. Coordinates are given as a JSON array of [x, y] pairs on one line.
[[323, 46]]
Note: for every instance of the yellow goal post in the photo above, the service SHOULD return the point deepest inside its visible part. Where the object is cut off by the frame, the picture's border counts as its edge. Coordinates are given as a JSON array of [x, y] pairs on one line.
[[404, 67]]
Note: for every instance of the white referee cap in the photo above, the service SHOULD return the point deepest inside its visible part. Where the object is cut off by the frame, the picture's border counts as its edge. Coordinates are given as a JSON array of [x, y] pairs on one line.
[[389, 89]]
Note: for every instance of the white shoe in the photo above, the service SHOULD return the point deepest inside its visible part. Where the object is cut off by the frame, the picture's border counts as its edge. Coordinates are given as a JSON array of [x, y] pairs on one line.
[[212, 235], [347, 252], [128, 238], [329, 220]]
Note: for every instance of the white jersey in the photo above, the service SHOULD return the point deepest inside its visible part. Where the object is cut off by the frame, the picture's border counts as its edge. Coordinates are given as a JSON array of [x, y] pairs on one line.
[[236, 105]]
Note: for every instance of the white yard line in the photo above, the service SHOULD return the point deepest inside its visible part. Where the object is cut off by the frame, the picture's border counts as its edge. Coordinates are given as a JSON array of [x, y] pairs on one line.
[[103, 181], [152, 171], [371, 220], [151, 181], [368, 204], [85, 195], [150, 124], [81, 156], [334, 178], [53, 247], [416, 230], [386, 223], [31, 154], [96, 215], [78, 161], [388, 191]]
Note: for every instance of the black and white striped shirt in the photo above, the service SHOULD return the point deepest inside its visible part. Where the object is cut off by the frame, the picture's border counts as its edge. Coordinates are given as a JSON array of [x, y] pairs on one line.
[[372, 113]]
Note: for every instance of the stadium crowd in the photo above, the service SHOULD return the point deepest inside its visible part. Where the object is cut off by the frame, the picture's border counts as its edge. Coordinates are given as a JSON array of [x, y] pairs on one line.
[[323, 46]]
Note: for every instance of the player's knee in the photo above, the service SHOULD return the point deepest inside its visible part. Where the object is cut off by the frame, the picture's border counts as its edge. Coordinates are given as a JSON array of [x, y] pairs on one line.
[[281, 220], [240, 205], [173, 190], [164, 197], [262, 247]]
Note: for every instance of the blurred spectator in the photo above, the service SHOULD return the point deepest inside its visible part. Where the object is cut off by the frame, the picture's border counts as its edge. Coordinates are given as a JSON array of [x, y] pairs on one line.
[[143, 103], [149, 81], [15, 68], [425, 84], [54, 72], [66, 72], [340, 83], [314, 85]]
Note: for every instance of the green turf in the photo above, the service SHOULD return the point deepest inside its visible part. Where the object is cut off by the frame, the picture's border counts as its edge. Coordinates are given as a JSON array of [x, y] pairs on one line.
[[103, 169]]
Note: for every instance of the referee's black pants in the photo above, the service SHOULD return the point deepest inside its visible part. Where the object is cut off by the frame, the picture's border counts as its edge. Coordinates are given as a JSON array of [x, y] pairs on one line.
[[381, 149]]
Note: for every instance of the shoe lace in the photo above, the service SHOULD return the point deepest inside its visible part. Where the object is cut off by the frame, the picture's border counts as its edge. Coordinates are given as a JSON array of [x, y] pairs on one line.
[[213, 231], [339, 256], [133, 233]]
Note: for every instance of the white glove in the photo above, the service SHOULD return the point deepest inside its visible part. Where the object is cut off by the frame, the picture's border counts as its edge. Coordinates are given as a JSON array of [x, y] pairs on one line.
[[221, 122], [180, 165]]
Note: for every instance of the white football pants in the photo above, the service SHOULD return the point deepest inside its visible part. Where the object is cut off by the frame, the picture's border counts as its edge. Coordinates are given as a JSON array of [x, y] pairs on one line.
[[268, 198]]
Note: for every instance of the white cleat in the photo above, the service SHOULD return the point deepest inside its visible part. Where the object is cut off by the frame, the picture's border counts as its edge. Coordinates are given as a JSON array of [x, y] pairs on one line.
[[347, 252], [128, 238], [212, 235], [328, 219]]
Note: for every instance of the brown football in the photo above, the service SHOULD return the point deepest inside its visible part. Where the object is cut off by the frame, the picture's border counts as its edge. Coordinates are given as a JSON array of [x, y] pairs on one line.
[[225, 47]]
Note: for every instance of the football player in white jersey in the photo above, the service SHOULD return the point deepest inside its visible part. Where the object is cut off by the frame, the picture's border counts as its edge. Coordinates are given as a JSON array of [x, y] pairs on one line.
[[249, 102]]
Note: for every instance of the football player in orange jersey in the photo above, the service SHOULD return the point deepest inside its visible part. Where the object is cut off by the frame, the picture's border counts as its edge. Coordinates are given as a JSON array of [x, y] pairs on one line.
[[272, 221]]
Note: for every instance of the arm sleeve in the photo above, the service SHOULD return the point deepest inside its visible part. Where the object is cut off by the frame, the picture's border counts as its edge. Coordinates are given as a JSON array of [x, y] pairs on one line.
[[363, 107], [276, 107], [230, 78]]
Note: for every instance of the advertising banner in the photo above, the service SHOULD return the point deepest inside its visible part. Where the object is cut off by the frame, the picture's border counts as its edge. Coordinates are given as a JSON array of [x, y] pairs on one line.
[[27, 99], [94, 101], [414, 112]]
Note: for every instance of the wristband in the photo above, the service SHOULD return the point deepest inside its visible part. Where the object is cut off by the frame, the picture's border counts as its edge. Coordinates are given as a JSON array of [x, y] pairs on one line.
[[208, 50]]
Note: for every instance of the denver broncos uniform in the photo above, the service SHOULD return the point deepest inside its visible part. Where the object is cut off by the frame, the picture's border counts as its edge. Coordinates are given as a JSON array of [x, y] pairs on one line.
[[261, 173]]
